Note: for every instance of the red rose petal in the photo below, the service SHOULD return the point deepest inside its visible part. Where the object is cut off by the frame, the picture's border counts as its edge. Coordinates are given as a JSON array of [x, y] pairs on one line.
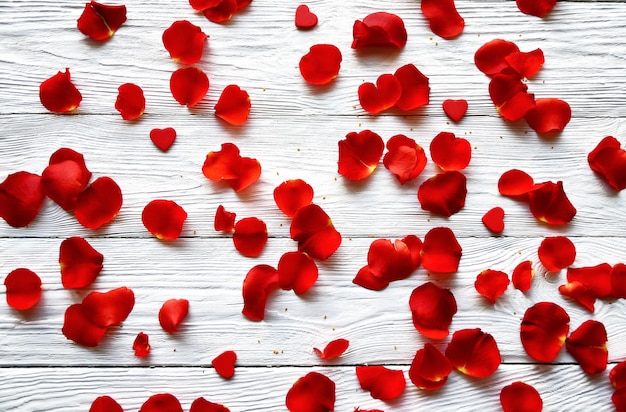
[[172, 313], [441, 252], [58, 94], [608, 160], [455, 109], [379, 29], [109, 308], [164, 219], [233, 106], [549, 115], [21, 198], [619, 400], [556, 253], [162, 402], [141, 346], [510, 96], [522, 276], [491, 284], [130, 102], [250, 236], [383, 95], [224, 364], [443, 194], [443, 18], [227, 164], [490, 58], [305, 18], [78, 328], [62, 182], [189, 85], [432, 310], [526, 64], [99, 203], [581, 293], [415, 88], [333, 349], [315, 233], [549, 203], [204, 4], [537, 8], [184, 41], [202, 405], [617, 376], [494, 220], [515, 182], [80, 263], [259, 282], [312, 392], [587, 344], [382, 383], [224, 221], [365, 278], [63, 154], [321, 64], [597, 278], [297, 271], [222, 12], [105, 404], [404, 158], [450, 152], [474, 353], [163, 138], [618, 280], [520, 397], [395, 260], [101, 21], [543, 331], [359, 154], [430, 368], [293, 194], [23, 289]]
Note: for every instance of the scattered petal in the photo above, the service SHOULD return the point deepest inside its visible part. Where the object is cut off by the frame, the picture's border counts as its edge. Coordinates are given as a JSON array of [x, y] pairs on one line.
[[233, 106], [21, 198], [443, 18], [520, 397], [101, 21], [99, 203], [305, 18], [189, 85], [382, 383], [164, 219], [515, 183], [608, 160], [379, 29], [333, 349], [494, 220], [474, 353], [490, 58], [250, 236], [455, 109], [172, 313], [618, 281], [597, 278], [259, 282], [321, 64], [549, 115], [23, 289], [587, 344], [526, 64], [105, 404], [78, 328], [130, 102], [510, 96], [227, 164], [224, 364], [222, 12], [543, 331], [293, 194], [162, 402], [64, 154], [537, 8], [556, 253], [315, 233], [450, 152], [80, 263], [58, 94], [581, 293], [617, 376], [312, 392], [141, 346], [549, 203], [522, 276], [359, 154], [383, 95], [430, 368], [404, 158], [491, 284], [441, 251], [365, 278], [184, 41], [415, 88], [443, 194], [202, 405], [395, 260], [224, 221], [432, 310], [108, 308], [62, 182], [297, 271]]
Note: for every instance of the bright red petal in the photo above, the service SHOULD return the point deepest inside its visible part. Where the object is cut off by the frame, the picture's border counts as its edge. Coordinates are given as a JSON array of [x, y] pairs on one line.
[[222, 12], [365, 278], [441, 252], [404, 158], [510, 96], [58, 94], [250, 236], [383, 95], [490, 58], [432, 310], [105, 404], [474, 353], [597, 278], [526, 64], [450, 152], [64, 154], [581, 293], [80, 263], [164, 219], [202, 405], [537, 8], [315, 233], [608, 160], [382, 383], [491, 284], [293, 194], [224, 364], [162, 402], [617, 376], [23, 289], [184, 41], [297, 271], [78, 328], [62, 182], [321, 64], [430, 368], [172, 313], [415, 88], [494, 220], [515, 183], [520, 397], [359, 154], [443, 194], [556, 253], [549, 115], [224, 221], [233, 105], [618, 280], [379, 29], [99, 203], [109, 308], [391, 261], [260, 281], [443, 18], [619, 400], [549, 204], [21, 198], [312, 392], [228, 165], [543, 331], [141, 346], [522, 276], [130, 101], [189, 85], [333, 349], [587, 344], [101, 21]]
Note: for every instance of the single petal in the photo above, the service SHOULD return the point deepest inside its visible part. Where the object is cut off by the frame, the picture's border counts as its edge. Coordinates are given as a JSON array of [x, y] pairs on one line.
[[130, 102], [78, 328], [618, 280], [520, 397], [587, 344], [224, 221], [172, 314], [432, 310], [99, 203], [450, 152], [490, 58], [224, 364], [202, 405], [379, 29], [473, 353], [141, 346], [189, 85], [161, 402], [204, 4], [430, 368], [556, 253], [443, 18], [259, 282], [443, 194], [315, 233], [297, 271], [391, 260], [522, 276], [359, 154], [365, 278], [549, 203], [80, 263], [537, 8], [23, 289], [293, 194], [441, 252], [164, 219], [184, 41], [543, 331], [21, 198], [617, 376], [608, 160], [515, 183], [549, 115], [58, 94], [222, 12], [321, 64], [101, 21], [526, 64], [333, 349], [581, 293], [250, 236], [597, 278], [312, 392], [415, 88], [105, 404], [491, 284], [109, 308], [404, 158], [383, 95], [233, 105], [63, 154], [62, 182], [381, 382]]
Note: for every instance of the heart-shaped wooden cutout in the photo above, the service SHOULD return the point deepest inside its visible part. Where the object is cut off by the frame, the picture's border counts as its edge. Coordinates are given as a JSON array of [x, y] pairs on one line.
[[224, 364], [455, 109], [305, 18], [163, 138], [494, 220]]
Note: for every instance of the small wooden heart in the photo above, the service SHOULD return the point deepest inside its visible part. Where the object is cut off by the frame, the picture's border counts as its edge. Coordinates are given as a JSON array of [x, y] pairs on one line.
[[455, 109], [163, 138], [305, 19]]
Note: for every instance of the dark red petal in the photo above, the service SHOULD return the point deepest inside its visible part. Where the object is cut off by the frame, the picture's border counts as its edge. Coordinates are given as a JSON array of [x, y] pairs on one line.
[[365, 278], [597, 278], [164, 219], [619, 400], [526, 64], [222, 12], [224, 364], [62, 182], [432, 310], [549, 203], [321, 64], [105, 404], [23, 289], [609, 161], [587, 344], [297, 271], [404, 158], [172, 313], [389, 260], [383, 95], [63, 154], [305, 18], [543, 331], [494, 220], [549, 115], [80, 263], [109, 308], [224, 221], [101, 21], [99, 203], [581, 293], [293, 194], [455, 109], [522, 276], [250, 236], [618, 280], [312, 392], [441, 252], [162, 402], [520, 397], [382, 383], [21, 198], [537, 8], [556, 253], [430, 368], [443, 194], [233, 106], [608, 142], [474, 353], [202, 405], [141, 346], [617, 376], [184, 41], [490, 58], [333, 349], [450, 152], [239, 172], [415, 88], [515, 182], [204, 4], [80, 329], [189, 85], [259, 282], [58, 94], [443, 18], [491, 284], [510, 96], [130, 101], [315, 233], [379, 29], [359, 154]]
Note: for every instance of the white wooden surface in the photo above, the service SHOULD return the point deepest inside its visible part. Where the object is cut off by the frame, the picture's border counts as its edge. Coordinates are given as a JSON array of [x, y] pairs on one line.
[[293, 130]]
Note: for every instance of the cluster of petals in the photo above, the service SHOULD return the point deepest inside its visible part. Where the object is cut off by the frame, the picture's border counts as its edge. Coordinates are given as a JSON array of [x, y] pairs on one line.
[[172, 314], [608, 160], [321, 64], [23, 289], [312, 392], [473, 353], [379, 29], [219, 11], [160, 402], [101, 21], [520, 397], [164, 219], [184, 41], [602, 281], [315, 232], [443, 18], [407, 89], [58, 94], [333, 349], [381, 382], [228, 165]]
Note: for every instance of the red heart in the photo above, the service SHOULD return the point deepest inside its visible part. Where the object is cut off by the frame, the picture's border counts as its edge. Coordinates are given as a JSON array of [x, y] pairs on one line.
[[224, 364], [163, 138], [382, 96], [494, 220], [305, 19], [455, 109]]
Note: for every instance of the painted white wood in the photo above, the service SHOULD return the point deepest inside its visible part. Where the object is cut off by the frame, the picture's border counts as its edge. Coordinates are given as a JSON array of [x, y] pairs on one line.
[[293, 131]]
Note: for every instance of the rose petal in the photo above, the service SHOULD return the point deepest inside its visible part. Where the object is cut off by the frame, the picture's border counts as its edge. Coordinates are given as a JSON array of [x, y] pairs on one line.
[[204, 4], [392, 261], [312, 392], [376, 98], [441, 252], [224, 221], [526, 64], [617, 376], [141, 346], [23, 289], [430, 368], [474, 353], [510, 96], [233, 106], [224, 364], [189, 85], [58, 94], [450, 152], [109, 308], [608, 160], [619, 399], [99, 203], [101, 21], [202, 405], [250, 236], [333, 349], [365, 278], [130, 101], [581, 293], [556, 253], [172, 314], [537, 8], [259, 282], [543, 331], [597, 278], [227, 164], [315, 233], [321, 64], [443, 18], [184, 41], [297, 271], [105, 404], [432, 310], [491, 284], [379, 29], [549, 203], [618, 280], [62, 182], [164, 219], [63, 154], [415, 88], [520, 397], [21, 198], [490, 58], [293, 194], [222, 12], [549, 115], [404, 158], [78, 328], [494, 220], [443, 194], [382, 383], [522, 276], [587, 344], [515, 183], [80, 263], [359, 154], [162, 402]]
